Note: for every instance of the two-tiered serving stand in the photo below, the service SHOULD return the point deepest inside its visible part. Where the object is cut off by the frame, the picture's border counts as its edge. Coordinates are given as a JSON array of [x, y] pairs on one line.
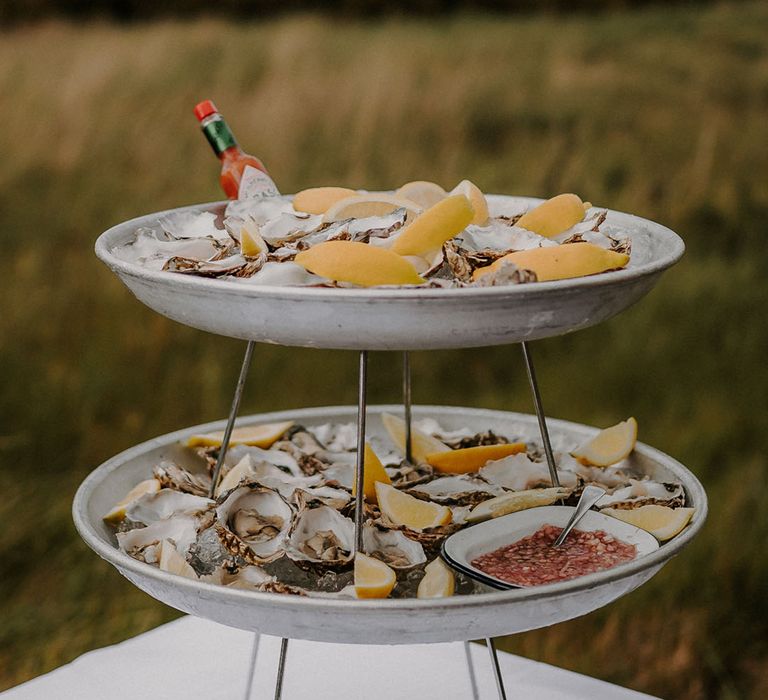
[[388, 319]]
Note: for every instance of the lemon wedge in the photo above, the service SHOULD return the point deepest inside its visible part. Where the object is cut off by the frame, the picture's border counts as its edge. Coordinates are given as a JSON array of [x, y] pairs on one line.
[[415, 514], [256, 435], [251, 243], [117, 512], [561, 262], [373, 578], [553, 216], [424, 193], [434, 226], [513, 502], [242, 470], [476, 198], [422, 444], [470, 459], [608, 446], [173, 562], [359, 206], [438, 581], [374, 471], [358, 263], [662, 522], [317, 200]]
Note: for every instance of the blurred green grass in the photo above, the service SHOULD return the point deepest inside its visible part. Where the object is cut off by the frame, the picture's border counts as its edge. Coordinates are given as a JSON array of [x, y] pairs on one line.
[[660, 112]]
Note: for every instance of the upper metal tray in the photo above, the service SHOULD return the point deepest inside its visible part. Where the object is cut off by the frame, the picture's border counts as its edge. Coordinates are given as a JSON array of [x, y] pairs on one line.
[[398, 319], [391, 621]]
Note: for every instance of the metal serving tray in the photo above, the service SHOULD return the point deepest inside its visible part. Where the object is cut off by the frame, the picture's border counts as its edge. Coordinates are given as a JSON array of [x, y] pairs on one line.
[[399, 319], [396, 621]]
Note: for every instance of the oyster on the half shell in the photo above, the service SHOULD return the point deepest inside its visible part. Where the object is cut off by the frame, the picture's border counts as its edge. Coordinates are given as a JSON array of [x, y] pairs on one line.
[[255, 521], [321, 536]]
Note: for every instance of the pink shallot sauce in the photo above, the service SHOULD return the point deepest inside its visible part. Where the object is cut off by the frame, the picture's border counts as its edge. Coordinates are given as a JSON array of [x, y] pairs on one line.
[[533, 561]]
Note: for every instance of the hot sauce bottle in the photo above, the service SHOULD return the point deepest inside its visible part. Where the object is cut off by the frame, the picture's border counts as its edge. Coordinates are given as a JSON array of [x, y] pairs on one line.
[[242, 175]]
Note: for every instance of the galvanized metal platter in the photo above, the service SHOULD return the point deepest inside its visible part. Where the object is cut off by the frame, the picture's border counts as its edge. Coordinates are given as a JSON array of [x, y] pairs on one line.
[[395, 621], [399, 319]]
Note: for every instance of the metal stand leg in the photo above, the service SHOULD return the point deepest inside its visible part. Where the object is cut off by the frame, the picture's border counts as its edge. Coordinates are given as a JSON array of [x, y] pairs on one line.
[[362, 406], [252, 669], [281, 669], [232, 416], [496, 669], [407, 406], [471, 669], [540, 414]]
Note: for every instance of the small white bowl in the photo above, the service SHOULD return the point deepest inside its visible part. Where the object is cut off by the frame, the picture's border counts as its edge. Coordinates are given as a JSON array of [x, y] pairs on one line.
[[462, 547]]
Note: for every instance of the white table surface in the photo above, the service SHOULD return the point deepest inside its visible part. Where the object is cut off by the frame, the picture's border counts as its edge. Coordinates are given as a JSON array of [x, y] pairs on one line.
[[195, 659]]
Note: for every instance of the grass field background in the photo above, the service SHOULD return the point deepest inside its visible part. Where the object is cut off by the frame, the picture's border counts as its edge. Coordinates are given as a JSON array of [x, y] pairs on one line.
[[659, 112]]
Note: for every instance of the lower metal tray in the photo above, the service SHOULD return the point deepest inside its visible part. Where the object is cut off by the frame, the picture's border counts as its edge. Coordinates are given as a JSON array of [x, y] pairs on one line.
[[397, 621]]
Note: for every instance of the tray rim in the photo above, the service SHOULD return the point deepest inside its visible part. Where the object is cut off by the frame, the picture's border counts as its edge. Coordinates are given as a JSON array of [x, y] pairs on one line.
[[105, 242], [296, 603]]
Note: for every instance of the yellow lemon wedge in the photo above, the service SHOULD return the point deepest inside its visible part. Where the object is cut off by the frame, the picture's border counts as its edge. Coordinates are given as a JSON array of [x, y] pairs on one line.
[[317, 200], [173, 562], [359, 206], [609, 446], [374, 471], [553, 216], [422, 444], [373, 578], [561, 261], [251, 243], [242, 470], [476, 198], [661, 521], [513, 502], [434, 226], [358, 263], [438, 582], [415, 514], [117, 512], [424, 193], [470, 459], [255, 435]]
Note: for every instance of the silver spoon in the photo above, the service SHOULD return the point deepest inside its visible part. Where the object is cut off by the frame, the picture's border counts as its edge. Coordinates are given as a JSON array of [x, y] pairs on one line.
[[589, 496]]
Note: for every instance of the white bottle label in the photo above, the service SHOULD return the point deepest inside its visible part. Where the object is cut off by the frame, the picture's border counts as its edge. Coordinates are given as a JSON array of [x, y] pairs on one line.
[[256, 184]]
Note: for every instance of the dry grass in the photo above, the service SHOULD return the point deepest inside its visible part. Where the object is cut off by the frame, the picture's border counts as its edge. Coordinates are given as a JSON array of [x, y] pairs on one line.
[[660, 112]]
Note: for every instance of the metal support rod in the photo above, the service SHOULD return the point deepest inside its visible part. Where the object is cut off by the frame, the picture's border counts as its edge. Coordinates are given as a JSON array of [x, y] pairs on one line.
[[252, 668], [407, 406], [232, 416], [540, 414], [471, 669], [496, 669], [360, 467], [281, 668]]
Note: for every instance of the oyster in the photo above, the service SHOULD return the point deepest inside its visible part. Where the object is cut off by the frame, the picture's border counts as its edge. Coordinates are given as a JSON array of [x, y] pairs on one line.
[[286, 462], [172, 476], [255, 521], [519, 473], [144, 543], [456, 490], [321, 536], [325, 495], [166, 503], [644, 493], [392, 547]]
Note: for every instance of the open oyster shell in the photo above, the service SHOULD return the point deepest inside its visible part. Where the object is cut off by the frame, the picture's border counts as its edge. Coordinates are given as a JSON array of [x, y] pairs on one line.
[[456, 490], [643, 493], [255, 521], [321, 536], [392, 547]]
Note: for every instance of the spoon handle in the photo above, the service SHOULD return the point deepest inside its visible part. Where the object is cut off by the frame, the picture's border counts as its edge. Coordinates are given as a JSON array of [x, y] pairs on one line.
[[589, 496]]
